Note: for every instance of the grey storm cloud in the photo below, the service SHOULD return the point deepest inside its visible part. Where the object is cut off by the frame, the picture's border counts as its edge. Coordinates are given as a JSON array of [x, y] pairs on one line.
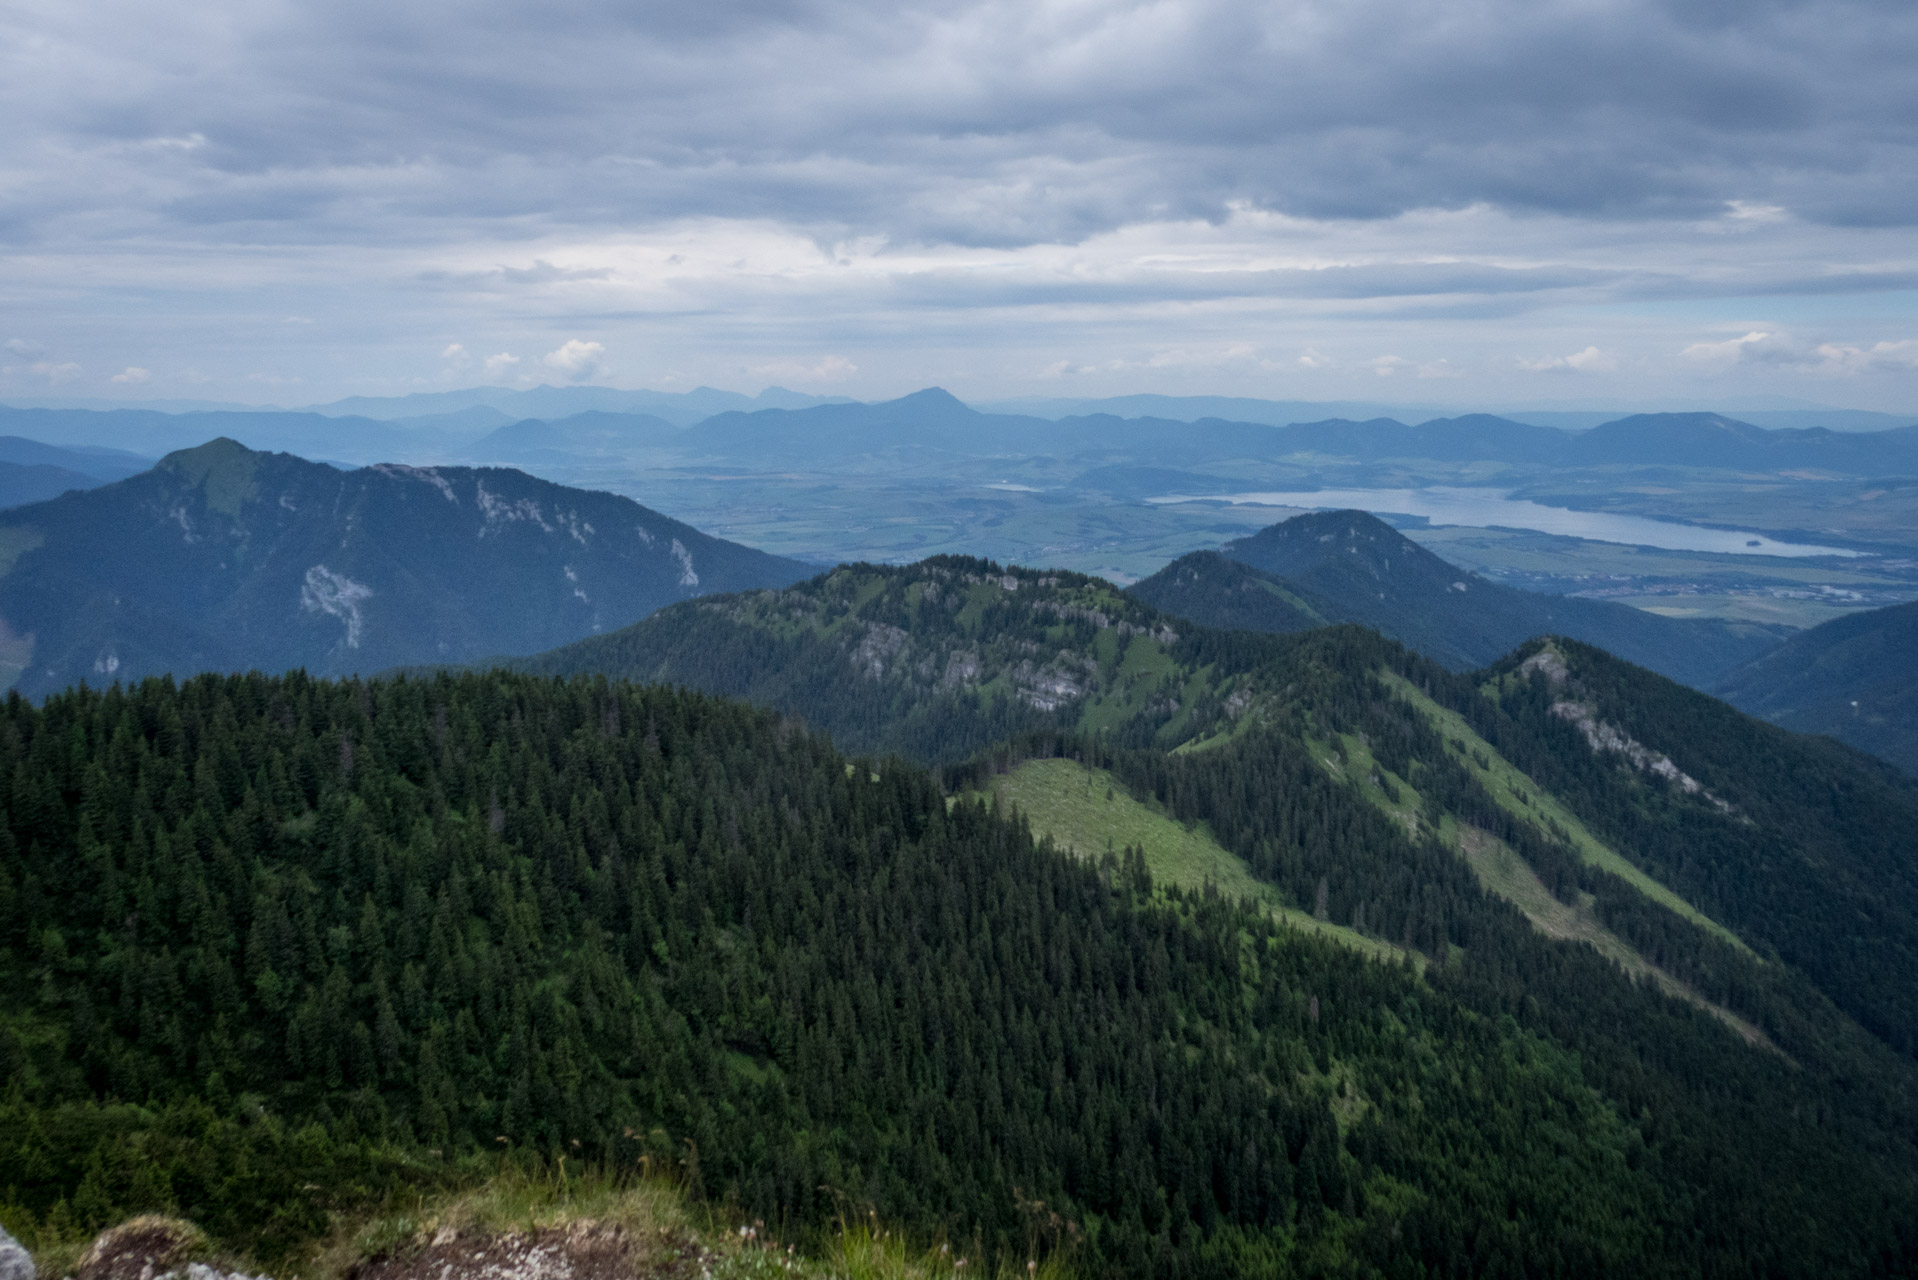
[[234, 195], [985, 123]]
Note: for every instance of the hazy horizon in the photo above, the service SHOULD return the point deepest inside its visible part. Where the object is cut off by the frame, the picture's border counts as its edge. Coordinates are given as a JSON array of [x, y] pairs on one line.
[[1730, 405]]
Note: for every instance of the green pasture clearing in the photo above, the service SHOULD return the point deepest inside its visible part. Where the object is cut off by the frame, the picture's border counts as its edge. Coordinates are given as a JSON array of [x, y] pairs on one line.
[[1088, 812]]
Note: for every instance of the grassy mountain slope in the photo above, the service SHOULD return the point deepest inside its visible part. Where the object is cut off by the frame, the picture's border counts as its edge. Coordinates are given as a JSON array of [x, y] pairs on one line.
[[1347, 566], [1854, 678], [225, 559], [1087, 812]]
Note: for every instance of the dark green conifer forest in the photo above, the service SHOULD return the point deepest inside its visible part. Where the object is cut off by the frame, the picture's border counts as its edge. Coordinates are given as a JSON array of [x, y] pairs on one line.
[[271, 946]]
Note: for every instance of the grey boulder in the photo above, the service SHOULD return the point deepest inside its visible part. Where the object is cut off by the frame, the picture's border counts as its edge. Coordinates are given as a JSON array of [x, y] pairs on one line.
[[15, 1262]]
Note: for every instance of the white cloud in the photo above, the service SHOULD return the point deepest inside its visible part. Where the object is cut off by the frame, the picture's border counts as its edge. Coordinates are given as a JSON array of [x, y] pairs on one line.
[[455, 355], [1728, 352], [132, 374], [22, 347], [1881, 357], [1590, 360], [55, 372], [1313, 359], [1754, 211], [502, 363], [826, 369], [1784, 350], [577, 359], [1387, 366]]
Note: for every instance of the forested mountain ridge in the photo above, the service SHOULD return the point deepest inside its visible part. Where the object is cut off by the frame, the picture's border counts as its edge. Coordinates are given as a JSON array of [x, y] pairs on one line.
[[436, 914], [345, 937], [221, 558], [1854, 678], [1348, 566], [934, 660], [950, 656], [330, 936]]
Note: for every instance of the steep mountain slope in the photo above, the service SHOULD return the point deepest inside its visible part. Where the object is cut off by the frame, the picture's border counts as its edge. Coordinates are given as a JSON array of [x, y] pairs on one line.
[[1854, 678], [1599, 895], [635, 927], [1804, 846], [944, 658], [224, 559], [1347, 566]]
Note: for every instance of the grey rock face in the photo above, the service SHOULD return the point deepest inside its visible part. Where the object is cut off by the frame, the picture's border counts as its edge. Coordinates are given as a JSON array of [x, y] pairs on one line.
[[15, 1262]]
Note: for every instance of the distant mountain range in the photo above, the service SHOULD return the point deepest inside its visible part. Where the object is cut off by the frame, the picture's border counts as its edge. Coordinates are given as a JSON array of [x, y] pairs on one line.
[[682, 408], [1347, 566], [560, 425], [33, 472], [222, 558], [934, 421], [1854, 678], [1769, 412], [578, 438]]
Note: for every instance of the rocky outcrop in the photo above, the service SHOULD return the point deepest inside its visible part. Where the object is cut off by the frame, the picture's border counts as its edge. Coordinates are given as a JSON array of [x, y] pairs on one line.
[[150, 1247], [15, 1262]]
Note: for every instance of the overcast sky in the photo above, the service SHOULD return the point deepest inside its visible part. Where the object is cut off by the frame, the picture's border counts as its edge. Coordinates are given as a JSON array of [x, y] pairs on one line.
[[1470, 201]]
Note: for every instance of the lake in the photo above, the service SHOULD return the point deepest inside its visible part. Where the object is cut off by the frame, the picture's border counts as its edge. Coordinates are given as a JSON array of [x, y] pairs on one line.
[[1491, 508]]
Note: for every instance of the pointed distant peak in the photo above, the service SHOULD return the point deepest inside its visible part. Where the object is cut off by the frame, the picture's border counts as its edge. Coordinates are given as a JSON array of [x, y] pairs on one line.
[[212, 453], [1349, 522], [1288, 547], [223, 468], [932, 398]]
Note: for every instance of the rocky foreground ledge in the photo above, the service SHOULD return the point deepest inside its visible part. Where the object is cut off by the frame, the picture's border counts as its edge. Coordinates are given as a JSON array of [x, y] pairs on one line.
[[522, 1229]]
